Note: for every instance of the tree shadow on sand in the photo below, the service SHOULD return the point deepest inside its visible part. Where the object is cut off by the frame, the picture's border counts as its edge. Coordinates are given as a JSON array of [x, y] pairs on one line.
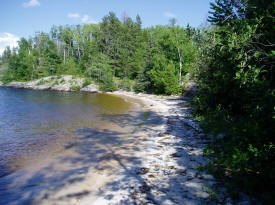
[[95, 151], [167, 175], [134, 167]]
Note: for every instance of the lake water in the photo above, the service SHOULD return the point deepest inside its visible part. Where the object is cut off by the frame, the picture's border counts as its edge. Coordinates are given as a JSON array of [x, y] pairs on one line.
[[61, 133]]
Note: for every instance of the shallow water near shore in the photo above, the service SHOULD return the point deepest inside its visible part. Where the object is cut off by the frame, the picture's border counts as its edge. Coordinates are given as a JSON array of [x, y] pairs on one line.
[[49, 140]]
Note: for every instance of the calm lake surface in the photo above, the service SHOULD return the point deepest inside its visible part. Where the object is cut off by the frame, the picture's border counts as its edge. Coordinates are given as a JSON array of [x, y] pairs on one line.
[[44, 132]]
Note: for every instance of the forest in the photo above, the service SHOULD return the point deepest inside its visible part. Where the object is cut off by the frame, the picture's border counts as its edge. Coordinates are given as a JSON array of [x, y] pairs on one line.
[[231, 61], [116, 53]]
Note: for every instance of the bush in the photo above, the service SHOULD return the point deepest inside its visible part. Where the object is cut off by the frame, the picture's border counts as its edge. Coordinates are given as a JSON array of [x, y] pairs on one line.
[[6, 76], [87, 81], [236, 98], [69, 67], [107, 87], [107, 82], [55, 82], [75, 87], [125, 84], [62, 81], [139, 87], [42, 82], [165, 80]]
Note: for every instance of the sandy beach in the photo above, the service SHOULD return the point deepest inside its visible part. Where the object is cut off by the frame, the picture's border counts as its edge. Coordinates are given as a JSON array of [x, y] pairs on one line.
[[161, 166]]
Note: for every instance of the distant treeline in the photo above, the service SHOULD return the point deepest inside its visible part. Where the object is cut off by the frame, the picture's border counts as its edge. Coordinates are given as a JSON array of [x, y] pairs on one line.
[[151, 59], [232, 62]]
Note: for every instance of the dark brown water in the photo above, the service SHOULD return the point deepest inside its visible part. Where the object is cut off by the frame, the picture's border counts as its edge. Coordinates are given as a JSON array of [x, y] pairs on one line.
[[42, 130]]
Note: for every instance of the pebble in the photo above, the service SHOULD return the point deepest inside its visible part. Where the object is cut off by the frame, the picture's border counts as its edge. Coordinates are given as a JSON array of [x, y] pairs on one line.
[[168, 172], [142, 171]]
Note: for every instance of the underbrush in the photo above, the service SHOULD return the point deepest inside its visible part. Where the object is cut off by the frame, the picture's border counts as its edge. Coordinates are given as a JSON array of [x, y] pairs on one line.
[[125, 84], [242, 156], [75, 87]]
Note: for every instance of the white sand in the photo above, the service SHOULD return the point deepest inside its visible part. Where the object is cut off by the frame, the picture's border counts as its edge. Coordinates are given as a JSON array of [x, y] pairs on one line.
[[161, 166]]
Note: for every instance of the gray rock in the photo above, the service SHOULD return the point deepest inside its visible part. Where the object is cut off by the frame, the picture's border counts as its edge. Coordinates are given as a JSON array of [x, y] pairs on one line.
[[63, 83], [90, 88], [16, 84]]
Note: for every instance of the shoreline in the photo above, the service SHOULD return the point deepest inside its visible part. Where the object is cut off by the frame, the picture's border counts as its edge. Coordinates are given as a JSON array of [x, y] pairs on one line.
[[163, 165], [170, 151], [65, 83]]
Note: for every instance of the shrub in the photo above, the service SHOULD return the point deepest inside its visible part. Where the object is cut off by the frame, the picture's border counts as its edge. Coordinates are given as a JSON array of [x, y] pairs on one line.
[[165, 79], [7, 76], [42, 82], [125, 84], [75, 87], [107, 82], [87, 81], [62, 81]]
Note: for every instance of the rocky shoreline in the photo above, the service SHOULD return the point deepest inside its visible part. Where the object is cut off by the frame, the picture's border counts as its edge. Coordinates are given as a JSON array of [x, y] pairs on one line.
[[162, 166], [57, 83]]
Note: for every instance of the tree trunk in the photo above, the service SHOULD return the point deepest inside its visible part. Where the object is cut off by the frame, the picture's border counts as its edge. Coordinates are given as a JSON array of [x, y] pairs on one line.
[[32, 71], [64, 55], [78, 52], [180, 59]]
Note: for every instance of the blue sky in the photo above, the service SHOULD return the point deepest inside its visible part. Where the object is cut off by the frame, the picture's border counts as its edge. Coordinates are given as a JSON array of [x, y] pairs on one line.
[[21, 18]]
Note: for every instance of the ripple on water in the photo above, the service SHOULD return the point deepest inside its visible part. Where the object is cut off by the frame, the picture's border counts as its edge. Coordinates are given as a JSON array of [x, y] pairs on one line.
[[47, 137]]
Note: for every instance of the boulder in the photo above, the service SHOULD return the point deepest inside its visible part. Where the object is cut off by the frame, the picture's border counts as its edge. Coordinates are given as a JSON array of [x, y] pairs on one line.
[[90, 88]]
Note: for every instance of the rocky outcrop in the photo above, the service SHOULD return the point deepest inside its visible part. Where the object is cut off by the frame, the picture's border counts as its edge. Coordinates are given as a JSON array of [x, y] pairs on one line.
[[90, 88], [58, 83]]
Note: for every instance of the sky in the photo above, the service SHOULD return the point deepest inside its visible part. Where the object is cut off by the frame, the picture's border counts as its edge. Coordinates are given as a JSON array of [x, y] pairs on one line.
[[22, 18]]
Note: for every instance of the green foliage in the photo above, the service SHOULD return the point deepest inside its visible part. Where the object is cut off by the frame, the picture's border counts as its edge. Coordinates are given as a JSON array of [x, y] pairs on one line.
[[236, 97], [107, 82], [98, 67], [55, 82], [42, 82], [232, 61], [163, 76], [169, 45], [142, 84], [113, 48], [125, 84], [87, 82], [69, 67], [6, 55], [6, 76], [75, 87], [62, 81]]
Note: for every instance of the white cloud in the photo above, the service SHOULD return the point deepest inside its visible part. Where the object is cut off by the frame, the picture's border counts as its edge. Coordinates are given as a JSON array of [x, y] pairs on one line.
[[73, 15], [87, 19], [7, 39], [31, 3], [169, 14]]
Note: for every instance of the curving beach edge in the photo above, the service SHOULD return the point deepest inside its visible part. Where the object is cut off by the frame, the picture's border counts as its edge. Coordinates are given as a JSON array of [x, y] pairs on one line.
[[162, 166]]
